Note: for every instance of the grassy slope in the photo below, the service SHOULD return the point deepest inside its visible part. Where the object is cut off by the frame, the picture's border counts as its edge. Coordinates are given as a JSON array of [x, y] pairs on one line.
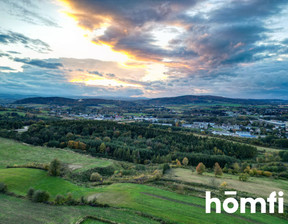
[[131, 196], [252, 186], [19, 180], [186, 209], [15, 210], [20, 153]]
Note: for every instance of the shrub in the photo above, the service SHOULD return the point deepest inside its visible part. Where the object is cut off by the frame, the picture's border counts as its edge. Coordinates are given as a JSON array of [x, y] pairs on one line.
[[70, 200], [267, 174], [102, 147], [178, 163], [259, 172], [40, 196], [140, 179], [54, 168], [225, 169], [166, 167], [128, 172], [224, 185], [30, 193], [60, 199], [157, 174], [283, 175], [140, 167], [230, 171], [236, 167], [95, 177], [106, 139], [243, 177], [247, 169], [200, 169], [3, 188]]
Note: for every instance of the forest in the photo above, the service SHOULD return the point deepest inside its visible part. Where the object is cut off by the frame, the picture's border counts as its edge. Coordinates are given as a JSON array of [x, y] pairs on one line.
[[139, 143]]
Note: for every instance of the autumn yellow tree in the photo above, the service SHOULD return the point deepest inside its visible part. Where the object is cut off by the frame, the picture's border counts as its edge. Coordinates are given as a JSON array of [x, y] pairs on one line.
[[185, 161], [178, 163]]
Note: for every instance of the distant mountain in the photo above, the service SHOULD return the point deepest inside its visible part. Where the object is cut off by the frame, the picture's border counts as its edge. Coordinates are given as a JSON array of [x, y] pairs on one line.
[[61, 101], [194, 99], [10, 98], [46, 100], [180, 100]]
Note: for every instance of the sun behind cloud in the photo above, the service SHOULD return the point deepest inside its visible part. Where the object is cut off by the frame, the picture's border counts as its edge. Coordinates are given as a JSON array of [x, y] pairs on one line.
[[101, 81]]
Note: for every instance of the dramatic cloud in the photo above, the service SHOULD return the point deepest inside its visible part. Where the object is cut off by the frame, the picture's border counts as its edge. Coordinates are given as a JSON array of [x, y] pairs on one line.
[[17, 38], [39, 63], [231, 32], [148, 48]]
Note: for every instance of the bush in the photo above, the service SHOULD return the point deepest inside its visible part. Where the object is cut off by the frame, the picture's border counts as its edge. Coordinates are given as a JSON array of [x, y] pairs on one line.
[[107, 139], [54, 168], [166, 167], [178, 163], [236, 167], [259, 172], [247, 169], [140, 167], [3, 188], [267, 174], [60, 199], [283, 175], [157, 174], [200, 169], [224, 184], [95, 177], [30, 193], [40, 196], [70, 200], [243, 177], [128, 172]]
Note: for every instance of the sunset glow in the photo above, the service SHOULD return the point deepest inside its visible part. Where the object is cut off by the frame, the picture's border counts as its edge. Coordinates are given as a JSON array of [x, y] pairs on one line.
[[152, 48], [102, 82]]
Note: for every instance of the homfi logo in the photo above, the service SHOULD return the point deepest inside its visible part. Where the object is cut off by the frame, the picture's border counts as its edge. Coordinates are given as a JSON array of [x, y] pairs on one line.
[[231, 205]]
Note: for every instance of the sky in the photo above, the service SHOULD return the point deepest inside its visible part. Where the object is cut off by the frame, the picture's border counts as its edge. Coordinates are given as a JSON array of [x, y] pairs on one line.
[[144, 48]]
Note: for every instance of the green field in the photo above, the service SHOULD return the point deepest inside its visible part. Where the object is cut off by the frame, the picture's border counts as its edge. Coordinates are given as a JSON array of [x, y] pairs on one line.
[[126, 197], [252, 186], [19, 180], [21, 211], [11, 111], [149, 200], [21, 154]]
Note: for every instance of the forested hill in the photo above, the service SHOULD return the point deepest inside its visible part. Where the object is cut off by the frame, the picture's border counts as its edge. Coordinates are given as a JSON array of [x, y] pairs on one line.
[[61, 101], [47, 100], [189, 99]]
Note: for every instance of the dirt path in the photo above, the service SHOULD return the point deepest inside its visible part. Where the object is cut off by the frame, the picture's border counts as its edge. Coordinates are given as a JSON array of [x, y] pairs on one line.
[[199, 206]]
